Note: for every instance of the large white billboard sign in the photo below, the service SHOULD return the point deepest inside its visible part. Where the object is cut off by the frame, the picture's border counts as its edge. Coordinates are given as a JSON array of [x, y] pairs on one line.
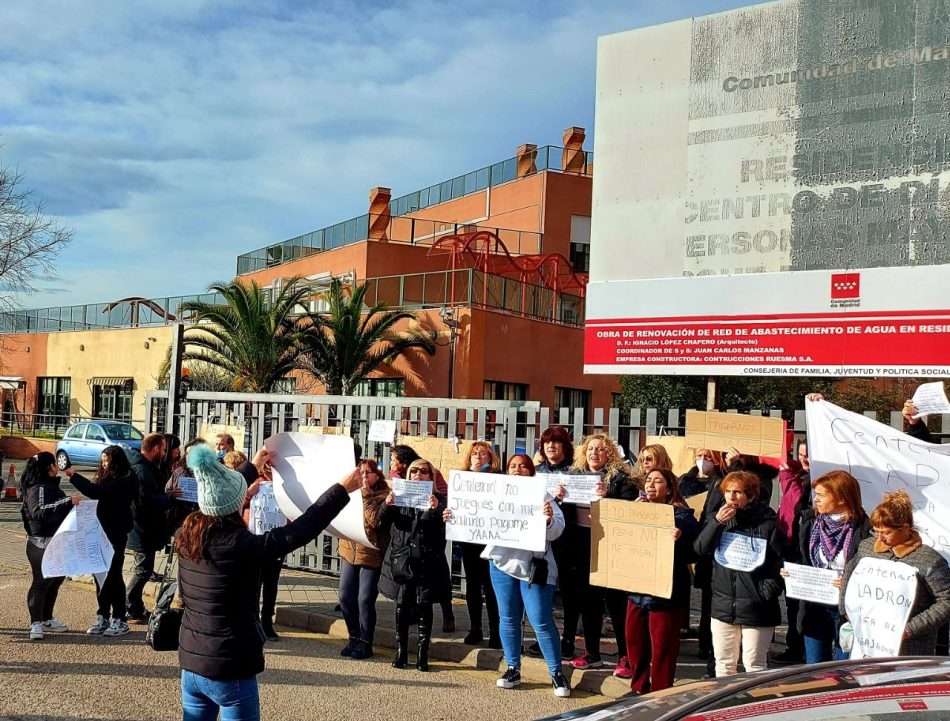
[[772, 193]]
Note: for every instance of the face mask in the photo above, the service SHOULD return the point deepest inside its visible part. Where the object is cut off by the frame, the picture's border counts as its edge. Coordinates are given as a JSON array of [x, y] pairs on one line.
[[221, 455], [704, 466]]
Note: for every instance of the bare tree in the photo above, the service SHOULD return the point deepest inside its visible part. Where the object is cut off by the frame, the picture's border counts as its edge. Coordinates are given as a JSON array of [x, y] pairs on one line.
[[29, 239]]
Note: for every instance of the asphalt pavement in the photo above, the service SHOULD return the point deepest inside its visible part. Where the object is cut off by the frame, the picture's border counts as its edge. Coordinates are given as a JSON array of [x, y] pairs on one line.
[[75, 676]]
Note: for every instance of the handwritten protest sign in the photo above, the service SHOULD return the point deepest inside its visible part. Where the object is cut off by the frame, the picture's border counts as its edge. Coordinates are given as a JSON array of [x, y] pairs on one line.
[[930, 398], [412, 494], [495, 509], [189, 489], [754, 435], [304, 467], [446, 454], [324, 430], [811, 584], [878, 600], [382, 431], [682, 455], [581, 490], [264, 511], [697, 503], [79, 546], [211, 431], [632, 546], [740, 552], [884, 459]]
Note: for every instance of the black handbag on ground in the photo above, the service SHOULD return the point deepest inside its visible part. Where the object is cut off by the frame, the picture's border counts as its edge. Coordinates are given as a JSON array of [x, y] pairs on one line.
[[165, 621]]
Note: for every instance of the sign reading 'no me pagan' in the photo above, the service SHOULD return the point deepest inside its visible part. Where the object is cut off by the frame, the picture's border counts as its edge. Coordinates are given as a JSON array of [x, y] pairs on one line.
[[497, 510]]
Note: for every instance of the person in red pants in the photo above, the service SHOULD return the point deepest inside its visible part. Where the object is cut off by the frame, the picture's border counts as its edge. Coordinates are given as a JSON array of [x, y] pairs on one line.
[[653, 623]]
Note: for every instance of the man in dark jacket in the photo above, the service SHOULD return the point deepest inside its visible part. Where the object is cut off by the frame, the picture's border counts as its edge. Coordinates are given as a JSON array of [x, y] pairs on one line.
[[149, 527]]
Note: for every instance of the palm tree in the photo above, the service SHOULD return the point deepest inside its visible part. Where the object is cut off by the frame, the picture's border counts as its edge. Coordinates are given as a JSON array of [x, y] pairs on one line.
[[252, 338], [345, 344]]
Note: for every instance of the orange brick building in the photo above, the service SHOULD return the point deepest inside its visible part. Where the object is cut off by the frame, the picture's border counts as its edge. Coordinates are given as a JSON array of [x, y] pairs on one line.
[[493, 262]]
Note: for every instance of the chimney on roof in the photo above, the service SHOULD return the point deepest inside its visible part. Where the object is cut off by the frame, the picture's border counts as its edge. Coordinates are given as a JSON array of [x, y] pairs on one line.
[[573, 157], [379, 213], [526, 155]]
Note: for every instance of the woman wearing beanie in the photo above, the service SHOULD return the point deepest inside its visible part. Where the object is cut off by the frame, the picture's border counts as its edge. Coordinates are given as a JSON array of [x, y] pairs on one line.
[[221, 644]]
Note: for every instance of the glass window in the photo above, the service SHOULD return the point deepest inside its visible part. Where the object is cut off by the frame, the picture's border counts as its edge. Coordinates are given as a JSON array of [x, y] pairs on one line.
[[381, 387], [571, 398], [76, 431], [502, 391], [122, 432], [113, 401], [580, 257], [458, 187], [94, 433], [52, 398]]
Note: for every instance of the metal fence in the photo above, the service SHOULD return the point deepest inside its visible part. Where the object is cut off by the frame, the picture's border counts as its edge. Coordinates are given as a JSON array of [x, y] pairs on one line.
[[47, 425], [512, 426]]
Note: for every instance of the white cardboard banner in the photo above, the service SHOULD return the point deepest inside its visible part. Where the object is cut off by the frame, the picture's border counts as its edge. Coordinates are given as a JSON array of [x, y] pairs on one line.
[[740, 552], [581, 490], [265, 513], [878, 600], [412, 494], [884, 459], [307, 465], [79, 546], [811, 584], [497, 510]]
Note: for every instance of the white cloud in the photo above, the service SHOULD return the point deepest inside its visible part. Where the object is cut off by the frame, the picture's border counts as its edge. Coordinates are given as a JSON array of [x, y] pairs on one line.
[[174, 136]]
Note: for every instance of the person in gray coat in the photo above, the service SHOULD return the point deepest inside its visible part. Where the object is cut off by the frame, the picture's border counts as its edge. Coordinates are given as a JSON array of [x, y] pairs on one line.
[[896, 539]]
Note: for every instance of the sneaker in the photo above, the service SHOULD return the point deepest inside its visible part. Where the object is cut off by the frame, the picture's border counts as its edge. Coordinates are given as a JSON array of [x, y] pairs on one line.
[[347, 650], [362, 650], [510, 679], [36, 631], [54, 625], [140, 618], [99, 627], [117, 627], [586, 662], [623, 669], [561, 688]]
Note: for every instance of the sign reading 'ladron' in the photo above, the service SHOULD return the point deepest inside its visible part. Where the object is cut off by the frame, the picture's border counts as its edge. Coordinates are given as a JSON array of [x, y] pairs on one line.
[[772, 194]]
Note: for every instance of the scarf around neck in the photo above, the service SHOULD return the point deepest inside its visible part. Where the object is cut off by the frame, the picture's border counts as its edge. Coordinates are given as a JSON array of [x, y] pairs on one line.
[[831, 537]]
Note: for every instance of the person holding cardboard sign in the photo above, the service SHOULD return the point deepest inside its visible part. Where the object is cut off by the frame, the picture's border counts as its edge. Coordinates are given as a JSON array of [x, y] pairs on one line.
[[653, 623], [599, 454], [896, 539], [746, 549]]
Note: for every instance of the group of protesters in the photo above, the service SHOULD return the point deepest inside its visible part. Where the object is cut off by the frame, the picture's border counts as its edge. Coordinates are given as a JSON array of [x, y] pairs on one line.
[[227, 565]]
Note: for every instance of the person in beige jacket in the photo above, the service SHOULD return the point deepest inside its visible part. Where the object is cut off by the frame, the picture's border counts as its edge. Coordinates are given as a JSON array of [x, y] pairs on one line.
[[360, 566]]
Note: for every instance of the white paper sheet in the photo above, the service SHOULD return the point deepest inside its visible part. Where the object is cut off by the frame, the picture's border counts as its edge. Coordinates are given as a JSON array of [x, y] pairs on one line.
[[878, 599], [497, 510], [189, 489], [79, 546], [741, 553], [264, 511], [412, 494], [931, 398], [307, 465], [382, 431], [811, 584], [581, 490]]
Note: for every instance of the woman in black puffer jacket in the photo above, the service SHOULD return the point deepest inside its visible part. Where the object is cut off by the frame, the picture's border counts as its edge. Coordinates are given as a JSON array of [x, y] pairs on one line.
[[114, 488], [221, 644], [415, 571], [44, 508], [746, 548]]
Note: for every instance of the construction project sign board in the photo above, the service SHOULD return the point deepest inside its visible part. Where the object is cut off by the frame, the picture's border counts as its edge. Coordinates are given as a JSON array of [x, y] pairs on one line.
[[771, 195], [632, 546]]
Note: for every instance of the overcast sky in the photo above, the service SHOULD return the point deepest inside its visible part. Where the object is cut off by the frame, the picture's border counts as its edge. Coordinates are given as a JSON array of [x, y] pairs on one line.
[[172, 138]]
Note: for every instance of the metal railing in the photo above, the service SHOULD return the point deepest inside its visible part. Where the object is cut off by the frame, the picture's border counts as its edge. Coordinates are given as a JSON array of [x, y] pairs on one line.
[[512, 426], [48, 426], [412, 231], [547, 159]]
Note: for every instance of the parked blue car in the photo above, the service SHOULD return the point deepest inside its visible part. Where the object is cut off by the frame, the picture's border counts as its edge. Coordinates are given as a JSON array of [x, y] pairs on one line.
[[84, 442]]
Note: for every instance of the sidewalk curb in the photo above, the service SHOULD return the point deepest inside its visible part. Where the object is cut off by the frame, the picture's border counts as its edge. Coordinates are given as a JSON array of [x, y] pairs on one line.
[[533, 670]]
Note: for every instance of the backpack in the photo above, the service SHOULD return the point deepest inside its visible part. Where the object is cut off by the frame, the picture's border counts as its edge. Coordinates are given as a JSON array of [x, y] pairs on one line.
[[165, 621]]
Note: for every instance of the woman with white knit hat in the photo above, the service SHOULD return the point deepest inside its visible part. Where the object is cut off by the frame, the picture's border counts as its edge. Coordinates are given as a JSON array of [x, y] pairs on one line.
[[221, 641]]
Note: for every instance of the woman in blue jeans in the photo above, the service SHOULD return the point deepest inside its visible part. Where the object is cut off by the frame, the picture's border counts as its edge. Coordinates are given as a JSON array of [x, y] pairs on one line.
[[221, 643], [829, 538], [517, 593]]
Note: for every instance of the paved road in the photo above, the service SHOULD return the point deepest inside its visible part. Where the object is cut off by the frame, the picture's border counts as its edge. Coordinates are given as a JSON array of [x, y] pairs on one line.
[[75, 676]]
